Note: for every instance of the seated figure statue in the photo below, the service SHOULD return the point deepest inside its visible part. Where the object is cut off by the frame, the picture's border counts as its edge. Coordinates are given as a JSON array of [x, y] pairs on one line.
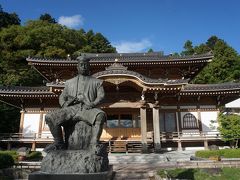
[[78, 102]]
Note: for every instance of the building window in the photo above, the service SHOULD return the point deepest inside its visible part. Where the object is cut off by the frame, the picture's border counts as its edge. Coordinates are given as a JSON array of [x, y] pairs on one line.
[[190, 121], [112, 121], [123, 121], [126, 120]]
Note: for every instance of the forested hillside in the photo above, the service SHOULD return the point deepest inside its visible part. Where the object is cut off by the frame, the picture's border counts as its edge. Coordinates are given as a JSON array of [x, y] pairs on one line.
[[37, 38]]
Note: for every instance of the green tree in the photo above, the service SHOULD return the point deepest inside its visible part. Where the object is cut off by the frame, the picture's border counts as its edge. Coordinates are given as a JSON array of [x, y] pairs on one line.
[[225, 66], [189, 50], [201, 49], [96, 43], [47, 17], [7, 19], [150, 50], [211, 42], [38, 39], [10, 119], [230, 128]]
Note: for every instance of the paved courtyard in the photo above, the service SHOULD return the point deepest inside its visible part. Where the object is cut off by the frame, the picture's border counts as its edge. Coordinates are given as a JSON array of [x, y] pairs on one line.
[[144, 166]]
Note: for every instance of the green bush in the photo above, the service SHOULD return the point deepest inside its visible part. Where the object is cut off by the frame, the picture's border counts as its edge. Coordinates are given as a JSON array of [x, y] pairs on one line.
[[207, 153], [14, 154], [225, 153], [201, 174], [233, 153], [6, 161], [35, 155]]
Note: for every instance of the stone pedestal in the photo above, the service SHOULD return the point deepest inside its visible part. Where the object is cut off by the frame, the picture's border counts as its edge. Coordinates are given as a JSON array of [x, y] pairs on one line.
[[106, 175], [80, 160], [78, 135], [74, 161]]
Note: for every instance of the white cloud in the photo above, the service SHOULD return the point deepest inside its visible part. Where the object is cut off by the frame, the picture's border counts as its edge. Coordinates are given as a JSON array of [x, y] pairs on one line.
[[71, 21], [130, 46]]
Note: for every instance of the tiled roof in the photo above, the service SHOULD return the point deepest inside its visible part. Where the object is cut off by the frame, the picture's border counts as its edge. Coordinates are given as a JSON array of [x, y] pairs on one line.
[[211, 87], [125, 57], [118, 69], [24, 90]]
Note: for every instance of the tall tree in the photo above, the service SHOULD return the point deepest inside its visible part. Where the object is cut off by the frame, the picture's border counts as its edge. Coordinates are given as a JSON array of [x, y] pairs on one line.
[[150, 50], [201, 49], [96, 43], [7, 19], [42, 39], [211, 42], [47, 17], [188, 48], [225, 66]]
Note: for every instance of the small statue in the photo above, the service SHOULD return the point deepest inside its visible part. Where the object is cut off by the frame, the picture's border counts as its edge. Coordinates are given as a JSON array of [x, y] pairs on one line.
[[78, 102]]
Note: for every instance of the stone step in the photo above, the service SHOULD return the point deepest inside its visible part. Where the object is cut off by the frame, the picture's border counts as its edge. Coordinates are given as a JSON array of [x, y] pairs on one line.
[[133, 175]]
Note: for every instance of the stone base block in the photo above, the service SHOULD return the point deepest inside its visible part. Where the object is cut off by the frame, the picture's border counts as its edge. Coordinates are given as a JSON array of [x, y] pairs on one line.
[[74, 161], [107, 175]]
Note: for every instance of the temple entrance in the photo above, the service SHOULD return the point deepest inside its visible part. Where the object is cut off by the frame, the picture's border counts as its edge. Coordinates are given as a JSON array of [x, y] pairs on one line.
[[122, 124], [168, 122]]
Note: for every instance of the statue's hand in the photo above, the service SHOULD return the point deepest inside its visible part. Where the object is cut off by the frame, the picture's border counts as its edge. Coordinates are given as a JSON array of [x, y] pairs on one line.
[[80, 98], [88, 106]]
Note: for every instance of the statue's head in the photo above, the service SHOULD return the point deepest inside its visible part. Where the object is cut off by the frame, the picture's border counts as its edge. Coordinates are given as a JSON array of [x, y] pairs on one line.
[[83, 65]]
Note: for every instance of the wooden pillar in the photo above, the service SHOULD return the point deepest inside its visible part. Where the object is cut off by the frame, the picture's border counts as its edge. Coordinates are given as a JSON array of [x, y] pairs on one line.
[[9, 145], [40, 124], [178, 131], [33, 146], [156, 130], [143, 117], [199, 115], [206, 144], [21, 121], [179, 124], [179, 145]]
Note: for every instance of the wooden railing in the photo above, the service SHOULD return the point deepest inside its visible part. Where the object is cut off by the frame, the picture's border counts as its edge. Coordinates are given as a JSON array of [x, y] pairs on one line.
[[165, 136], [116, 144], [26, 137], [188, 136]]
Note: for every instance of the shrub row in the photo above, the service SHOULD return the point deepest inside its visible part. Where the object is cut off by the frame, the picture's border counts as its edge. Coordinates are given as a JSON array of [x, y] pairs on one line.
[[35, 155], [14, 154], [6, 161], [225, 153]]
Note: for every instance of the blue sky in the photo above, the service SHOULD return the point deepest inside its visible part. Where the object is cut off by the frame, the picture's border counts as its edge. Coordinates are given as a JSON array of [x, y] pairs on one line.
[[137, 25]]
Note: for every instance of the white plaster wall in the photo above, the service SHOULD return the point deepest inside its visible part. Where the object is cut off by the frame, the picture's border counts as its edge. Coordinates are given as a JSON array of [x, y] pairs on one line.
[[206, 118], [233, 104], [31, 124]]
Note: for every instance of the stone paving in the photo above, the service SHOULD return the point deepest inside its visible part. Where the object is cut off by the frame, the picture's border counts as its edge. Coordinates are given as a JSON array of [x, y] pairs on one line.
[[144, 166]]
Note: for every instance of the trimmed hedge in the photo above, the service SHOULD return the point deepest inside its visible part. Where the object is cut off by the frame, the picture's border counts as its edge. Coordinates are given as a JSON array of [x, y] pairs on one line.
[[6, 161], [14, 154], [35, 155], [225, 153], [234, 153]]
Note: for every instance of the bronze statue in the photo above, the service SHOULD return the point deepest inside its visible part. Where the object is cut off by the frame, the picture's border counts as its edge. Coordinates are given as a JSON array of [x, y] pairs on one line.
[[78, 102]]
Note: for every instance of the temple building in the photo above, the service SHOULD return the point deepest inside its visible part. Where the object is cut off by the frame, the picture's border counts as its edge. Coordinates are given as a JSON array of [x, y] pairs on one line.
[[150, 101]]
